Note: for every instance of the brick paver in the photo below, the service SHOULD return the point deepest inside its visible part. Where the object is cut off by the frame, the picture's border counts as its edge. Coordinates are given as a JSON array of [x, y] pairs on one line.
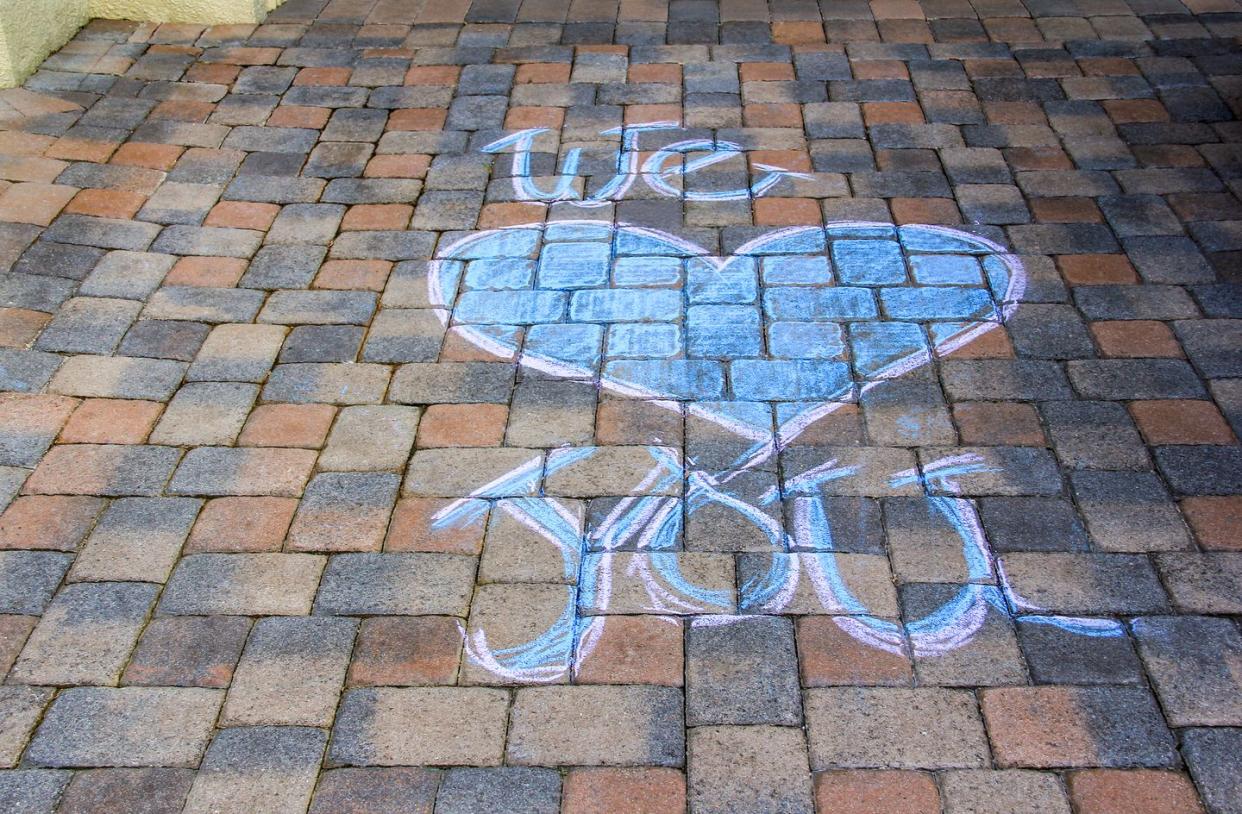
[[550, 407]]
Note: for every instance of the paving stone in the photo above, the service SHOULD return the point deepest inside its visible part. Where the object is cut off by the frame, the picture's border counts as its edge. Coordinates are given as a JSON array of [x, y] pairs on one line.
[[32, 790], [376, 791], [31, 423], [129, 275], [136, 539], [515, 552], [1203, 583], [854, 727], [459, 472], [396, 583], [516, 789], [290, 673], [371, 438], [596, 726], [405, 651], [54, 523], [1047, 727], [26, 371], [1083, 583], [1016, 790], [748, 768], [1134, 379], [856, 791], [190, 651], [127, 726], [237, 353], [1135, 790], [1203, 470], [449, 382], [85, 634], [142, 791], [1187, 658], [1129, 512], [1212, 757], [20, 711], [107, 470], [717, 657], [225, 471], [287, 761], [205, 414], [88, 325], [1094, 435], [990, 657], [212, 305], [1059, 655], [117, 377], [344, 512], [243, 584], [393, 726], [327, 383]]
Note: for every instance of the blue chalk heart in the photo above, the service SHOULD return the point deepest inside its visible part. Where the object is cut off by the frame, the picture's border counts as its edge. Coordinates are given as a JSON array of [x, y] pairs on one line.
[[804, 318]]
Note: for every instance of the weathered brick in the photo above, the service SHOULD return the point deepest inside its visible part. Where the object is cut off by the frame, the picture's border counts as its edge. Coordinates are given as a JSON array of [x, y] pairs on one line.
[[371, 438], [225, 471], [290, 673], [191, 651], [129, 726], [727, 773], [243, 584], [398, 584], [227, 782], [137, 539], [433, 726], [85, 635], [1048, 727], [594, 726]]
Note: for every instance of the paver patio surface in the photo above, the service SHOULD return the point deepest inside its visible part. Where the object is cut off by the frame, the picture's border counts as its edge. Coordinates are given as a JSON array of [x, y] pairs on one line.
[[596, 407]]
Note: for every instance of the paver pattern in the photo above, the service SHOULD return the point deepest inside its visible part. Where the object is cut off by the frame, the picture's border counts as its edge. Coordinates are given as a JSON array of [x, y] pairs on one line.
[[626, 407]]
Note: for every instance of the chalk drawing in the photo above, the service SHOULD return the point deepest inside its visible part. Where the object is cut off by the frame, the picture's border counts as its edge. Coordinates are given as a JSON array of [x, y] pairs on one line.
[[790, 327]]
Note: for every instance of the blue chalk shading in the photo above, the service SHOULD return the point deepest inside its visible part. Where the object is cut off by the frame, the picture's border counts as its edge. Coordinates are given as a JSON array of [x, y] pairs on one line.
[[510, 307], [449, 274], [646, 271], [502, 243], [805, 340], [574, 265], [689, 379], [788, 380], [737, 282], [647, 340], [569, 342], [921, 239], [876, 345], [753, 413], [997, 274], [935, 302], [848, 229], [809, 240], [577, 232], [723, 331], [868, 262], [945, 269], [499, 273], [791, 270], [631, 242], [1083, 626], [812, 304], [625, 305]]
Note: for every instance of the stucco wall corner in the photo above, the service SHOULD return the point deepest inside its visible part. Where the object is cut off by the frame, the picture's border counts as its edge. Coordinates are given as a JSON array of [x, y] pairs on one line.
[[204, 12], [32, 29]]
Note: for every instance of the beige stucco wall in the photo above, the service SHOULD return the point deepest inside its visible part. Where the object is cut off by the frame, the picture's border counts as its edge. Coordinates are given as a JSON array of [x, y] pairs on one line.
[[208, 12], [32, 29]]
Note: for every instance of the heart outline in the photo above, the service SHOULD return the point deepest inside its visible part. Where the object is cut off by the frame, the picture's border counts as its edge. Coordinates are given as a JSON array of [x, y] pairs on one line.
[[788, 430]]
